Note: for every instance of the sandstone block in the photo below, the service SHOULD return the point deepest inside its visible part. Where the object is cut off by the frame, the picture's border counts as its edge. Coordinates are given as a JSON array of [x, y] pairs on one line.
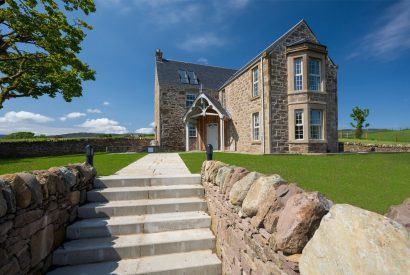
[[237, 174], [258, 193], [34, 186], [27, 217], [21, 191], [223, 172], [240, 189], [3, 205], [70, 178], [351, 240], [57, 178], [401, 213], [298, 221], [41, 244], [9, 196], [74, 197], [270, 210], [213, 171]]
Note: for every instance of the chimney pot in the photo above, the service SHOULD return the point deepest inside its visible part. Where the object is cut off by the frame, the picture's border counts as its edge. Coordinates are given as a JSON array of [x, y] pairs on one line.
[[158, 55]]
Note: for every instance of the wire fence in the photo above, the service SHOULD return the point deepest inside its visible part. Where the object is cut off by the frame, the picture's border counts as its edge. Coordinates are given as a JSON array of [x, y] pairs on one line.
[[386, 135]]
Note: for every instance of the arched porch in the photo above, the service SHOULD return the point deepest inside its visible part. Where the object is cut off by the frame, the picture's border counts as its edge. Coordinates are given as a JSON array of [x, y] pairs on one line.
[[210, 120]]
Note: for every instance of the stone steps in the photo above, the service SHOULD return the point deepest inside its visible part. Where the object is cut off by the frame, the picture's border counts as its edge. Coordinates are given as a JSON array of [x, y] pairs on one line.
[[121, 181], [151, 223], [133, 246], [140, 225], [191, 263], [140, 207], [145, 192]]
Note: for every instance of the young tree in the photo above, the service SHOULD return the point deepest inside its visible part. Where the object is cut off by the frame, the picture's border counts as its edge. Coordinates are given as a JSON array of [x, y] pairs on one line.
[[359, 116], [39, 48]]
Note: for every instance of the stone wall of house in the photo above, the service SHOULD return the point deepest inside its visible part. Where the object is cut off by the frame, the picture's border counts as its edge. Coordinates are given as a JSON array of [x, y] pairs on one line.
[[279, 89], [172, 108], [264, 225], [361, 147], [240, 104], [35, 209], [70, 146]]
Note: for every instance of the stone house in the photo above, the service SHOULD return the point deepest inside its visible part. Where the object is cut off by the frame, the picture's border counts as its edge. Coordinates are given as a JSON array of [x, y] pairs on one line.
[[283, 100]]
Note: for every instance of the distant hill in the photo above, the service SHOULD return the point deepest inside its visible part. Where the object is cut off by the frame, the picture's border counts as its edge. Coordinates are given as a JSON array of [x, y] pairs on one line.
[[81, 135]]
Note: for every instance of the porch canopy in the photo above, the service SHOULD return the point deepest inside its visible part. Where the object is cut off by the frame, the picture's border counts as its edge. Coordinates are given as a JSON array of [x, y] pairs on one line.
[[203, 106]]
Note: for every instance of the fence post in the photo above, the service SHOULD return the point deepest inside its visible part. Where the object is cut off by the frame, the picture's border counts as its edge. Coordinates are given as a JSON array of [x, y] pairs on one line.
[[89, 155]]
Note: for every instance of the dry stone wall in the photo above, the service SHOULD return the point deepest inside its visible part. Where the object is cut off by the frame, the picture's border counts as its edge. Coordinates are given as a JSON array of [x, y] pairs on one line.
[[35, 209], [264, 225], [261, 222], [361, 147], [74, 146]]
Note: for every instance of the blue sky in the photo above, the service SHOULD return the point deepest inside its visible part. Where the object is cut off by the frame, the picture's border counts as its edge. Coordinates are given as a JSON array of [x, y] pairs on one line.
[[369, 40]]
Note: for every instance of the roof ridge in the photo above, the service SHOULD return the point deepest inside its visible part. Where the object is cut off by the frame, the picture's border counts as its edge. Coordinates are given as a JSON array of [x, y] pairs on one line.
[[199, 64], [238, 72]]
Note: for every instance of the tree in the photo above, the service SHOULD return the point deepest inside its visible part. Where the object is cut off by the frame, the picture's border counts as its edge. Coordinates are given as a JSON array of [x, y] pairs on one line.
[[39, 47], [21, 135], [359, 116]]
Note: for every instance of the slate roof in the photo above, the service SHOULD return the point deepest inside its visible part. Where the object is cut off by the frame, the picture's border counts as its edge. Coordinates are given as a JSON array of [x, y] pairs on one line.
[[210, 77]]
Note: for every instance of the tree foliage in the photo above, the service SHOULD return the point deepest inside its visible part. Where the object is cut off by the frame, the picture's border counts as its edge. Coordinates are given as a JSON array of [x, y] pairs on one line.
[[39, 47], [21, 135], [359, 116]]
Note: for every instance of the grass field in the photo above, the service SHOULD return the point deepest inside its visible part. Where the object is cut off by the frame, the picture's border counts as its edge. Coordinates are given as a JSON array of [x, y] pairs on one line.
[[105, 163], [371, 181], [378, 136]]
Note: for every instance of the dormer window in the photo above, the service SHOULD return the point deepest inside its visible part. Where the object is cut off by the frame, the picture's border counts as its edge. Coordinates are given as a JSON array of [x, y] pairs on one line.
[[298, 74], [192, 78], [188, 77], [183, 77], [314, 74]]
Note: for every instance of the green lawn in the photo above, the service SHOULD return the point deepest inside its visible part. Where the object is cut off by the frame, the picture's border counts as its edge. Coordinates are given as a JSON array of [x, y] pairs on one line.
[[370, 181], [105, 163], [378, 137]]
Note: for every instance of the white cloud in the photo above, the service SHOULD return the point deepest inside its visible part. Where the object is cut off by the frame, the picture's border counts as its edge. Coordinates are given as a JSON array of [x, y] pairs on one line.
[[103, 125], [391, 38], [94, 111], [106, 103], [202, 60], [23, 116], [202, 42], [152, 124], [144, 131], [72, 115]]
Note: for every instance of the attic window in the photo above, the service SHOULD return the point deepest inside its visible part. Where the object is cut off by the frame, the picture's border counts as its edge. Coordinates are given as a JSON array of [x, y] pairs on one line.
[[183, 76], [188, 77], [192, 78]]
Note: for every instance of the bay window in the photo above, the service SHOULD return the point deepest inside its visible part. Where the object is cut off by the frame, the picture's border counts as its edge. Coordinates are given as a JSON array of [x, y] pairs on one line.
[[314, 74], [316, 124]]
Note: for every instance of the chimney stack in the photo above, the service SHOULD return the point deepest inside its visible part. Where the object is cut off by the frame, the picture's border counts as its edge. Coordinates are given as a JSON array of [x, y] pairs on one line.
[[158, 55]]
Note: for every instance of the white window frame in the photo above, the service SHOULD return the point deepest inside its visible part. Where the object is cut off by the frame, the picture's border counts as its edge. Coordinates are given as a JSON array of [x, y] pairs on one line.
[[316, 77], [299, 135], [318, 125], [256, 125], [192, 129], [298, 74], [189, 100], [183, 76], [255, 81]]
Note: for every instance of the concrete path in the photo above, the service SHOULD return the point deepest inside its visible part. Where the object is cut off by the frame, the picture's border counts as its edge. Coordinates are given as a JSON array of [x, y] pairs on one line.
[[157, 164]]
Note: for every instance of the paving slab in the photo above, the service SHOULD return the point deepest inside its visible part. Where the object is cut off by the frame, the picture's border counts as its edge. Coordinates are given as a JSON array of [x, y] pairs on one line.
[[155, 165]]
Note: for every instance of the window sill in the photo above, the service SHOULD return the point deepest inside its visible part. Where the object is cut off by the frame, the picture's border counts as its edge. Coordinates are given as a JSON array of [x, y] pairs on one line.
[[307, 141], [256, 142], [304, 92], [255, 98]]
